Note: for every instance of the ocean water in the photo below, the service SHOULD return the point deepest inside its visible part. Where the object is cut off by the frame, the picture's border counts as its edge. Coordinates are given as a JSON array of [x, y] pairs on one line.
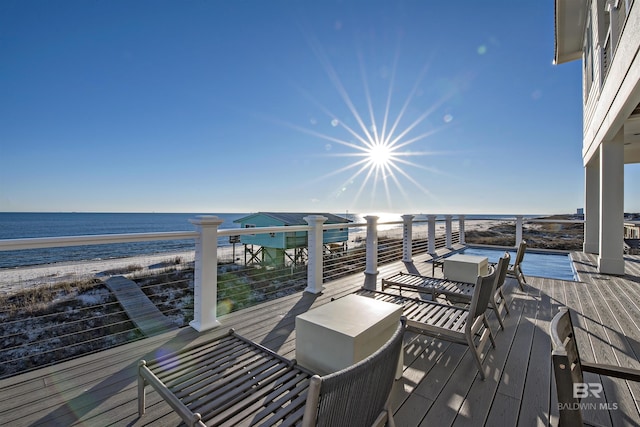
[[27, 225], [16, 225]]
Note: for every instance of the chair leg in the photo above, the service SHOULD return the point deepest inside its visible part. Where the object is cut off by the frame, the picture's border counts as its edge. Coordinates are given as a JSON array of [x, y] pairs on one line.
[[520, 277], [141, 395], [496, 309], [506, 306], [476, 357], [390, 421], [486, 325]]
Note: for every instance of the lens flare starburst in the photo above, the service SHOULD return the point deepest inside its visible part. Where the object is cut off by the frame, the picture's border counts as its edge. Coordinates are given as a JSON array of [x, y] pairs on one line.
[[381, 142]]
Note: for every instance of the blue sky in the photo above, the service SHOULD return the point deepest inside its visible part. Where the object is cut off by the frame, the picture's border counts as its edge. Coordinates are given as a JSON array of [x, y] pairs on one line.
[[242, 106]]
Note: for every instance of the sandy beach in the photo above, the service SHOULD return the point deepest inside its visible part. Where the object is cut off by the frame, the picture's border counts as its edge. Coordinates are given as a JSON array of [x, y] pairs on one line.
[[13, 279], [27, 277]]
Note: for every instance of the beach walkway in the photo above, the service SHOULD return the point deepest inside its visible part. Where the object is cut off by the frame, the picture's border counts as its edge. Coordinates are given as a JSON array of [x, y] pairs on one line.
[[142, 312]]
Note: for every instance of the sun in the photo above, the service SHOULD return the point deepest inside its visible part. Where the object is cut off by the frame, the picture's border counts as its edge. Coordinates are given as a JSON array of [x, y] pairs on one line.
[[380, 155]]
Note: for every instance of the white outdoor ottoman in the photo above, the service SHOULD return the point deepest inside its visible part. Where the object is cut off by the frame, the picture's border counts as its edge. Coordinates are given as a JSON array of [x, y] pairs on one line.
[[465, 268], [340, 333]]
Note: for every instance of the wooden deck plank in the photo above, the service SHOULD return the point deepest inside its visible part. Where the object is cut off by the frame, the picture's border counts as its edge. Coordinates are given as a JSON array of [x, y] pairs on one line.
[[505, 407], [513, 346], [477, 403], [420, 355], [586, 322], [613, 347], [535, 410], [439, 384]]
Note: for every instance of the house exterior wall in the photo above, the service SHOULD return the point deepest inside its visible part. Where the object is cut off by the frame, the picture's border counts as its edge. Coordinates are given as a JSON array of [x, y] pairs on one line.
[[270, 240], [614, 91], [290, 240], [609, 31]]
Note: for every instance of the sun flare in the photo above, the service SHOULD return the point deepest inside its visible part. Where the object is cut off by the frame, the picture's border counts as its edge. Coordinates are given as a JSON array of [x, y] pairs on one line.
[[377, 137]]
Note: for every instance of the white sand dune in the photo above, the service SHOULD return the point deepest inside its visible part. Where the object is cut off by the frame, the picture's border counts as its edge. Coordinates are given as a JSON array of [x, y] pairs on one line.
[[12, 279]]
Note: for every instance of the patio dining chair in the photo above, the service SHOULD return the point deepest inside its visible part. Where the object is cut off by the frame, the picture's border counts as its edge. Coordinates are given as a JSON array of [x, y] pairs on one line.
[[515, 269], [568, 369], [463, 292], [232, 380], [449, 322]]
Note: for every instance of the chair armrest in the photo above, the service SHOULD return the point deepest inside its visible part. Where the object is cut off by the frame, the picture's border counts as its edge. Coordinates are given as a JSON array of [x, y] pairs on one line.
[[612, 371]]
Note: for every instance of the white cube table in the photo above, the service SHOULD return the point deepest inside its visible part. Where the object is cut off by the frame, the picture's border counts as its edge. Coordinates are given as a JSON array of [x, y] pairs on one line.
[[340, 333], [465, 268]]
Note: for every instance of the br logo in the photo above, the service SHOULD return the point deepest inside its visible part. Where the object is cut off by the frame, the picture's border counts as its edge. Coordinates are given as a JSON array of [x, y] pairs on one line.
[[581, 390]]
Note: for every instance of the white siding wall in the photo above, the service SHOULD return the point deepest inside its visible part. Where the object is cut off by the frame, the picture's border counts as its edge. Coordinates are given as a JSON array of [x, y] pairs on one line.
[[607, 107]]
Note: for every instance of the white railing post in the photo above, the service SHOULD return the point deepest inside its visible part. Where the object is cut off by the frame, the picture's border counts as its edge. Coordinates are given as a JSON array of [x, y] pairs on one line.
[[315, 241], [519, 220], [431, 236], [407, 233], [448, 241], [205, 286], [461, 228], [371, 268]]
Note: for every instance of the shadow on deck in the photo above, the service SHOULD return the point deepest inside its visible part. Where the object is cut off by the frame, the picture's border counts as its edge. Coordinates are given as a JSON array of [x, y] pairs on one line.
[[440, 384]]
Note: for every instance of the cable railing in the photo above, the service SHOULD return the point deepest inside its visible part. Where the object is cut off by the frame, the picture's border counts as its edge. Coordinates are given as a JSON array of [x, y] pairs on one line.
[[85, 317]]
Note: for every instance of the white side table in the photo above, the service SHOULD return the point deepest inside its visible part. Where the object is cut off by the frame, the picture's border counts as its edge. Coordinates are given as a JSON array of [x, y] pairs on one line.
[[465, 268], [340, 333]]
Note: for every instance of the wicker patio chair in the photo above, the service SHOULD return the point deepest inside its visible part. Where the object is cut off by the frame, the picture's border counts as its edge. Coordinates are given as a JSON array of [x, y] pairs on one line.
[[232, 380], [449, 322], [357, 395], [568, 369]]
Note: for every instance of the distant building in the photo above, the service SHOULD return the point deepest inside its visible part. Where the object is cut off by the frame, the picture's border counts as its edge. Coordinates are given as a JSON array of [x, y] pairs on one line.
[[276, 248], [604, 34], [631, 230]]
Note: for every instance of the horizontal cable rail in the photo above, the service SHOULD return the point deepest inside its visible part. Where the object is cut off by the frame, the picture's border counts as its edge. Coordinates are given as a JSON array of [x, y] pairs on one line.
[[82, 318], [100, 239]]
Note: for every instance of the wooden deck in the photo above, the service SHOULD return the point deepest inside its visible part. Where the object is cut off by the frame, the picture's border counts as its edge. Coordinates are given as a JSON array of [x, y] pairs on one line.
[[440, 385]]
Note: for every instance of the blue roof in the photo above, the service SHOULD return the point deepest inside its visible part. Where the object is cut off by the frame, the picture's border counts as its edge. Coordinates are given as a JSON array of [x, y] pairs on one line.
[[295, 218]]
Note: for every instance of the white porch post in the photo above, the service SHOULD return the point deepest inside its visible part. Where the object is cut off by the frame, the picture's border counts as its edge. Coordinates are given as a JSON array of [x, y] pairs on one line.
[[519, 221], [461, 228], [592, 207], [205, 285], [431, 236], [407, 233], [371, 268], [613, 23], [610, 259], [447, 232], [315, 240]]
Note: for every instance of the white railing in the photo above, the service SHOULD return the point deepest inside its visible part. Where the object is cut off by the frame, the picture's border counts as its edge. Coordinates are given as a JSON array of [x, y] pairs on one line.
[[214, 291], [207, 235]]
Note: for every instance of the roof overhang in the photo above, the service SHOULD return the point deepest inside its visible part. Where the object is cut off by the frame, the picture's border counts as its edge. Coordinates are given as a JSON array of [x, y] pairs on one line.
[[570, 22]]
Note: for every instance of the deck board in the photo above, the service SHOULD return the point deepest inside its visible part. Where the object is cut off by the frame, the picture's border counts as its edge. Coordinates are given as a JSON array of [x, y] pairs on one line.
[[440, 383]]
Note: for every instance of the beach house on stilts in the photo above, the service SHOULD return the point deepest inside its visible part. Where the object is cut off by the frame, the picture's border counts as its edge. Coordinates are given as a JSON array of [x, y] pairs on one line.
[[605, 34], [280, 249]]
